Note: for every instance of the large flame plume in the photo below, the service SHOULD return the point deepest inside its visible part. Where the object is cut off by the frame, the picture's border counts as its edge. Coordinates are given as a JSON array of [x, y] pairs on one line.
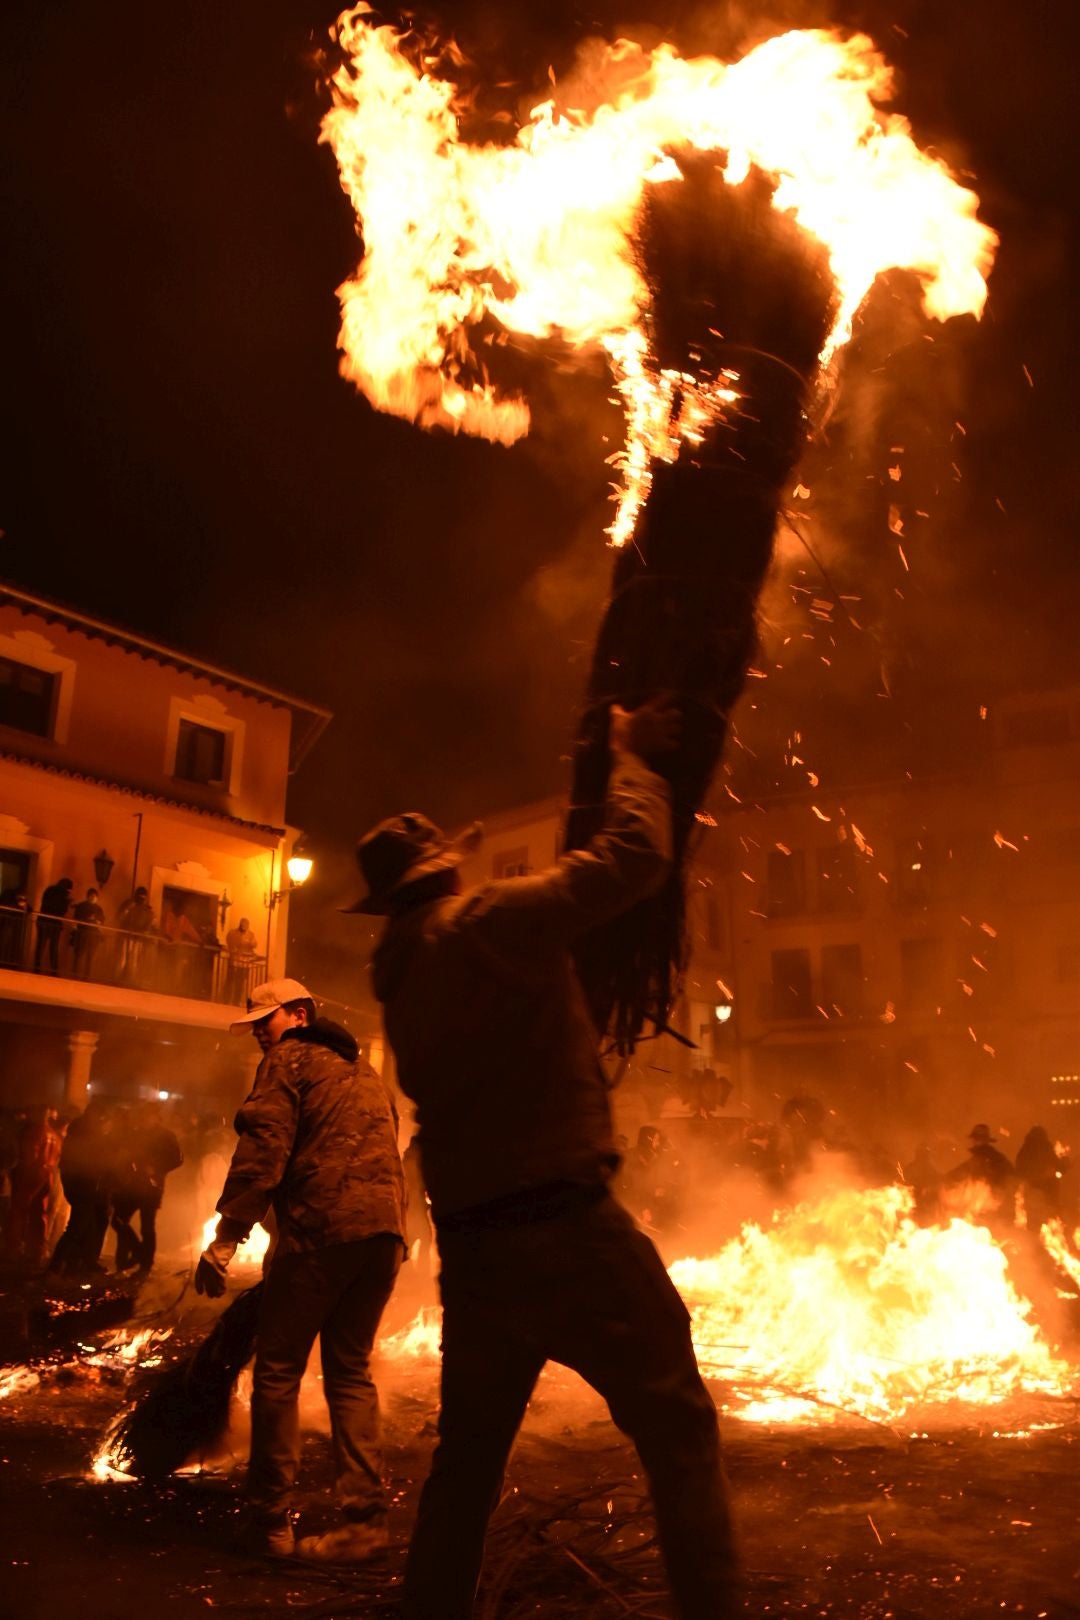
[[537, 236], [848, 1307], [853, 1305]]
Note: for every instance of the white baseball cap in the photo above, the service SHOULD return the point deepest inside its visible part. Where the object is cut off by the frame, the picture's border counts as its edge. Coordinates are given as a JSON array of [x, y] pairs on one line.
[[267, 998]]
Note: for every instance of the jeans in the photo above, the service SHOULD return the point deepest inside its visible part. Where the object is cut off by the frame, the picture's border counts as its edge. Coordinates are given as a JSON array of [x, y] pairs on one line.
[[336, 1295], [586, 1289]]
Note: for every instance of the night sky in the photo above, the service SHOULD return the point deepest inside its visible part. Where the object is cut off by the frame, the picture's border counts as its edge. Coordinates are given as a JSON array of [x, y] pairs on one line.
[[180, 454]]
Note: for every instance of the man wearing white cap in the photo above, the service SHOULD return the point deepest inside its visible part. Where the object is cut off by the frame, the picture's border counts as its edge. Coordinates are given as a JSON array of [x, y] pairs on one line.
[[318, 1144]]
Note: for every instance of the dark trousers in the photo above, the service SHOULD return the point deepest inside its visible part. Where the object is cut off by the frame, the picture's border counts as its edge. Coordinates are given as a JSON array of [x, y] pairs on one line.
[[86, 944], [49, 930], [80, 1244], [132, 1250], [338, 1296], [586, 1289]]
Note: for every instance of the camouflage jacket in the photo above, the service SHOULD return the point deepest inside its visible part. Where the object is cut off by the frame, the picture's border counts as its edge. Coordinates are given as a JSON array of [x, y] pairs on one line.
[[318, 1142], [487, 1019]]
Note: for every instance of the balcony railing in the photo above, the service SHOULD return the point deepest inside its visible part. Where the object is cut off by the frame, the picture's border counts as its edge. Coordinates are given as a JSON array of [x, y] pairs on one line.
[[32, 942]]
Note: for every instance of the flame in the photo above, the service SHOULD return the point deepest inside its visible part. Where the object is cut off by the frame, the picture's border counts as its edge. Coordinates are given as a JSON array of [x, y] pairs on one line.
[[252, 1252], [122, 1350], [536, 236], [421, 1339], [849, 1304], [17, 1381]]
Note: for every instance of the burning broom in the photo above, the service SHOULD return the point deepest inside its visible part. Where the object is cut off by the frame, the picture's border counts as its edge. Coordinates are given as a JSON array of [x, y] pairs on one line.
[[183, 1412], [742, 301], [715, 334]]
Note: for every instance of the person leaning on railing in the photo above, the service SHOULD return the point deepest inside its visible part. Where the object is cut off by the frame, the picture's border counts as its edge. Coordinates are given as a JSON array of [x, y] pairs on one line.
[[86, 936]]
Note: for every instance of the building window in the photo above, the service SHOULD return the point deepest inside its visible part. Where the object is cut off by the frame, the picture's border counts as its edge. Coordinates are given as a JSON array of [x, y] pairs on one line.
[[510, 863], [920, 974], [14, 871], [842, 980], [837, 878], [201, 754], [1065, 1091], [27, 697], [786, 893], [792, 996]]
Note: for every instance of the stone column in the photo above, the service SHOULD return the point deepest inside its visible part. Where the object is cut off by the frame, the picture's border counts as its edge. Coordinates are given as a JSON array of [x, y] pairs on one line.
[[82, 1044]]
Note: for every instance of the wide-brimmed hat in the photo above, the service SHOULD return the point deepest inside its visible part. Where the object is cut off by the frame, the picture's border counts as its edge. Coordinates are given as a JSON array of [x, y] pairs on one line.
[[267, 998], [400, 852], [981, 1133]]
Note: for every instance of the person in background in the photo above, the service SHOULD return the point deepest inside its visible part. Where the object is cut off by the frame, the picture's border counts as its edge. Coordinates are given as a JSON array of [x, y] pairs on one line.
[[136, 920], [496, 1048], [26, 1233], [243, 949], [86, 1171], [652, 1181], [85, 936], [990, 1176], [1041, 1170], [50, 923], [153, 1152], [318, 1145]]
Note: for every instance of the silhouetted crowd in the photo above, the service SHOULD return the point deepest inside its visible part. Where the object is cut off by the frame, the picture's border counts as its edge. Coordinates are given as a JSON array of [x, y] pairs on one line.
[[665, 1172], [65, 1179]]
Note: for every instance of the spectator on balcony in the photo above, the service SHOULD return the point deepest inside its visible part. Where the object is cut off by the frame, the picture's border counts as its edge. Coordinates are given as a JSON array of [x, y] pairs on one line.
[[185, 939], [14, 911], [136, 919], [85, 936], [50, 923], [243, 949]]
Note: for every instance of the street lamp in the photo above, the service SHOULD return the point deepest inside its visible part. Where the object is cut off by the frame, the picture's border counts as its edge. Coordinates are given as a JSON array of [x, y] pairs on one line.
[[299, 869]]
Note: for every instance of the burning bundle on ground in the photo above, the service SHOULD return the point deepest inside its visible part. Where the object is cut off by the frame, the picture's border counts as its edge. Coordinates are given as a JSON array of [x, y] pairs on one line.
[[712, 229], [184, 1410]]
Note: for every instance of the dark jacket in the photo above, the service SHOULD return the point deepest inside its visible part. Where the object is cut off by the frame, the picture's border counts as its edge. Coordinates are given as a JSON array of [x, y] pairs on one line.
[[318, 1141], [56, 900], [488, 1022]]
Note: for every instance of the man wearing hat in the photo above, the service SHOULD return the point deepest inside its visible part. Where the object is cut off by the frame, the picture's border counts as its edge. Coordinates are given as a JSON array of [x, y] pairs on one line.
[[495, 1046], [318, 1144], [987, 1166]]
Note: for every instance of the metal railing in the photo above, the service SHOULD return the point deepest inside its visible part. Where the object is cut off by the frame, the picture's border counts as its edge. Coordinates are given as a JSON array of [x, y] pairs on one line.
[[33, 942]]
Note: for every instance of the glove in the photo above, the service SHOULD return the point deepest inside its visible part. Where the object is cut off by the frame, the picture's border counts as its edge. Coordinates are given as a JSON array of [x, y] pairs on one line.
[[214, 1263]]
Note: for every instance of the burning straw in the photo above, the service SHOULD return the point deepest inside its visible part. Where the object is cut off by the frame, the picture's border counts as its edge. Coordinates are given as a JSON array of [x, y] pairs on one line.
[[713, 230], [739, 294]]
